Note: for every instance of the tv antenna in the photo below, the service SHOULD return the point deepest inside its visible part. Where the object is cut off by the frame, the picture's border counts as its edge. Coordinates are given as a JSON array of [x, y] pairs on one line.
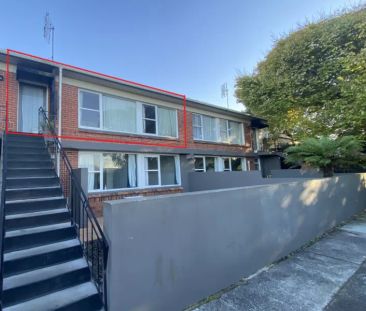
[[225, 93], [49, 31]]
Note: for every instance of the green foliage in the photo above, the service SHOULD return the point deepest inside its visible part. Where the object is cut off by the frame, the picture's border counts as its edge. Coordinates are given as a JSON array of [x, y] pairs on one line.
[[313, 82], [326, 154]]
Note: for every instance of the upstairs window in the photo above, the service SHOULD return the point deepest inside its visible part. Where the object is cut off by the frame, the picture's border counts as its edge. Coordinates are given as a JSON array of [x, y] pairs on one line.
[[217, 130], [90, 109], [197, 126], [149, 119], [121, 115]]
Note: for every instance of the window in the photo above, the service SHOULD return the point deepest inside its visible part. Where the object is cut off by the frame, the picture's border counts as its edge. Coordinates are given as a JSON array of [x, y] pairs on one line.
[[237, 164], [117, 114], [199, 164], [197, 126], [152, 171], [167, 122], [168, 170], [89, 109], [235, 133], [116, 170], [227, 164], [210, 164], [107, 171], [217, 130], [204, 164], [149, 119]]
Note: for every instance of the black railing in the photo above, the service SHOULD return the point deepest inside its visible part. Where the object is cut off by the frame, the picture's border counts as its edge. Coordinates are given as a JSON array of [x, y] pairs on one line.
[[90, 234], [2, 215]]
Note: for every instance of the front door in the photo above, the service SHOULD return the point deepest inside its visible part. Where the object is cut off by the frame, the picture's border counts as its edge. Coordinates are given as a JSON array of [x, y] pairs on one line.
[[31, 99]]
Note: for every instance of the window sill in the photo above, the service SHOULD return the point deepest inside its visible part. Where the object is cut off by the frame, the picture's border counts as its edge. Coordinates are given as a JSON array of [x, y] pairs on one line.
[[133, 190], [197, 141], [147, 136]]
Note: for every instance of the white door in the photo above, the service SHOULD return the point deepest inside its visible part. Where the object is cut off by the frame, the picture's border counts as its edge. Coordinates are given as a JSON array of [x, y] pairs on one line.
[[31, 99]]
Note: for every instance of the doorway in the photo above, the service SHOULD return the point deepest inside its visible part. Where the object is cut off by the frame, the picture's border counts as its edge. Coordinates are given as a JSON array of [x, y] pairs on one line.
[[32, 97]]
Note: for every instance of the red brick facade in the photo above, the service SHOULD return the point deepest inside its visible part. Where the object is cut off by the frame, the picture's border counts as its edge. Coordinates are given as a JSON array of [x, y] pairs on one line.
[[70, 128]]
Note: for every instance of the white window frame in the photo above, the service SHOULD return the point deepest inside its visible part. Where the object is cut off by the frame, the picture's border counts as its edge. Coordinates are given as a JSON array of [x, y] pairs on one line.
[[139, 116], [217, 129], [147, 170], [199, 126], [81, 108], [204, 164], [141, 174], [148, 119], [223, 164]]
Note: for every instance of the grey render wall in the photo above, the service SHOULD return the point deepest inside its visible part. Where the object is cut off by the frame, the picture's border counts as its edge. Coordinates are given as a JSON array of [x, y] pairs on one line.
[[295, 173], [167, 252], [198, 181]]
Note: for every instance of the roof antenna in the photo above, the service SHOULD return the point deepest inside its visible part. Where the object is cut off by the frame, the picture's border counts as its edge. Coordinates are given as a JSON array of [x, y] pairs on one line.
[[225, 93], [49, 31]]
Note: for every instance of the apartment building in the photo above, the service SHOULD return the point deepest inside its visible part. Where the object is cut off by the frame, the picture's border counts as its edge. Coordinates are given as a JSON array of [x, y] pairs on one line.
[[130, 139]]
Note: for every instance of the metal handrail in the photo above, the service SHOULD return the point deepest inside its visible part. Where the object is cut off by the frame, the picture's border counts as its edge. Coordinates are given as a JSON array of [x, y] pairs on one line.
[[83, 217], [2, 215]]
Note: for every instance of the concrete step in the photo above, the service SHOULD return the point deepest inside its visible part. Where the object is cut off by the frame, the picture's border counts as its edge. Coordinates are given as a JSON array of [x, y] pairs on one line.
[[35, 219], [30, 172], [37, 236], [32, 193], [28, 157], [41, 256], [77, 298], [34, 205], [32, 182], [34, 143], [24, 138], [30, 164], [22, 287], [26, 149]]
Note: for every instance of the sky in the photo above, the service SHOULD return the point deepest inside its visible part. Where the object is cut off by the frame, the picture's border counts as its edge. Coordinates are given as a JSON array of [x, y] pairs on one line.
[[190, 47]]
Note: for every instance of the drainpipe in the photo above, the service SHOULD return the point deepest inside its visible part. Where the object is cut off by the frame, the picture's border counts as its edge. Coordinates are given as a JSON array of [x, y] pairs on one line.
[[59, 114]]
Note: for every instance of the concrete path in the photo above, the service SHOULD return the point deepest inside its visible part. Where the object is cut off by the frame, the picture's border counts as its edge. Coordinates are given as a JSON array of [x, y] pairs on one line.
[[329, 275]]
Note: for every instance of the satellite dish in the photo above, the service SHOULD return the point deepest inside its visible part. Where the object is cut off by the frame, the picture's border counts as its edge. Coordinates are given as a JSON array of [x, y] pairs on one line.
[[48, 30]]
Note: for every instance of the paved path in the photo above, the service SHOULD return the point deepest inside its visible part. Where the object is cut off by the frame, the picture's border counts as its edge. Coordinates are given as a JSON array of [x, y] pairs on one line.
[[329, 275]]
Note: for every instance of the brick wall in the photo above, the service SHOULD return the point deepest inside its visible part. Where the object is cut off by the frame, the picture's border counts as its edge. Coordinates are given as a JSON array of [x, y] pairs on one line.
[[13, 101]]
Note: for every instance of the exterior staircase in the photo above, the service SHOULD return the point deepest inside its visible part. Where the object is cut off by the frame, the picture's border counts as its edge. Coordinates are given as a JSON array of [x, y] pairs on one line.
[[43, 263]]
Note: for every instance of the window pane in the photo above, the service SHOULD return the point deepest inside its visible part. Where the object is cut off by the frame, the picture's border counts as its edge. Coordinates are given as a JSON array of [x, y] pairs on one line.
[[152, 163], [167, 170], [198, 164], [119, 114], [223, 130], [209, 132], [89, 118], [197, 133], [196, 120], [89, 100], [149, 112], [236, 164], [210, 164], [93, 181], [153, 178], [226, 164], [167, 122], [150, 127], [115, 171], [235, 135]]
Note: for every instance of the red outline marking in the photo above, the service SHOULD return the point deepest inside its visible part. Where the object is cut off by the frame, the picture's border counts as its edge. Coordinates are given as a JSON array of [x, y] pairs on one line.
[[116, 141]]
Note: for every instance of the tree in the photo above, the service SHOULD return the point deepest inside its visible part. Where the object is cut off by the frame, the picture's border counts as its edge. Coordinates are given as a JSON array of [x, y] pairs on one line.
[[313, 82], [326, 154]]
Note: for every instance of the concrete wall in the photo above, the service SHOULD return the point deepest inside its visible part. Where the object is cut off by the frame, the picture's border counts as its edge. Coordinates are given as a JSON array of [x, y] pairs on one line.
[[170, 251], [198, 181], [295, 173]]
